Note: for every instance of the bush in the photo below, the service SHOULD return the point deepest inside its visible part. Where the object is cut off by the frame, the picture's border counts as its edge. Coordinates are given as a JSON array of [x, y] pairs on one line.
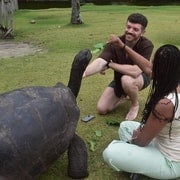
[[155, 2]]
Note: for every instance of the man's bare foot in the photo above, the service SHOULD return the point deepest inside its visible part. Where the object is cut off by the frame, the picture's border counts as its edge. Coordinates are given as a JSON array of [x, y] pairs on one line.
[[133, 112]]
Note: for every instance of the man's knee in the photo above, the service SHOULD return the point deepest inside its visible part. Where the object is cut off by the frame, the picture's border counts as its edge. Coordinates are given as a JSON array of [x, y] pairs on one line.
[[130, 84], [101, 109], [127, 82]]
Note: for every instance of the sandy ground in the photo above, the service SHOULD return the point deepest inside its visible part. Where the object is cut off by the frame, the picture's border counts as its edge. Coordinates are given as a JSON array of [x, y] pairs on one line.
[[10, 49]]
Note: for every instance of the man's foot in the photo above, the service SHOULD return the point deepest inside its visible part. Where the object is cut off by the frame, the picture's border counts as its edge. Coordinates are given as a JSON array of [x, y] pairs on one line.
[[133, 112]]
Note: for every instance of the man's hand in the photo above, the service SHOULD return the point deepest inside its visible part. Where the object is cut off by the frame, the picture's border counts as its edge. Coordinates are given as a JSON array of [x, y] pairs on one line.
[[102, 72], [115, 40]]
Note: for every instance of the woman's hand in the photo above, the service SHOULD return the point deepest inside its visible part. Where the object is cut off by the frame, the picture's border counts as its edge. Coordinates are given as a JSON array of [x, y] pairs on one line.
[[136, 133]]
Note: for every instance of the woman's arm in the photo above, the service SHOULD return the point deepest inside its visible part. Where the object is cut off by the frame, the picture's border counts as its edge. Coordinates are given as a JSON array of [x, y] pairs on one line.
[[155, 123], [142, 62]]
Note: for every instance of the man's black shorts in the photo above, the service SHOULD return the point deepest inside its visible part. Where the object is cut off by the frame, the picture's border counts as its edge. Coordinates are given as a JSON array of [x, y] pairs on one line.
[[146, 80]]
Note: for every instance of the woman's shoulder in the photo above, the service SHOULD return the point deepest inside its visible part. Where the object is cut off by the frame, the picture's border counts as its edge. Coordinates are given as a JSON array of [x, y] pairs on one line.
[[164, 109], [172, 97]]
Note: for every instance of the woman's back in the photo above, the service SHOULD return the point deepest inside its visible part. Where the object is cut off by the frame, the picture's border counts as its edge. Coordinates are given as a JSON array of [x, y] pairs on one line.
[[168, 141]]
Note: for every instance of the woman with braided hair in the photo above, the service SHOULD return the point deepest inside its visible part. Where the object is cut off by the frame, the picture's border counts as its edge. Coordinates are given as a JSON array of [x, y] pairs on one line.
[[152, 147]]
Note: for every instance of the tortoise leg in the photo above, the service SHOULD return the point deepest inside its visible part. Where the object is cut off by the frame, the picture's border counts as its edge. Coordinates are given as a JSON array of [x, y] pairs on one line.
[[78, 158]]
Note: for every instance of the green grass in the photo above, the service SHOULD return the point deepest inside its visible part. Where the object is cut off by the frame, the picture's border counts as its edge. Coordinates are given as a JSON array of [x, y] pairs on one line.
[[60, 42]]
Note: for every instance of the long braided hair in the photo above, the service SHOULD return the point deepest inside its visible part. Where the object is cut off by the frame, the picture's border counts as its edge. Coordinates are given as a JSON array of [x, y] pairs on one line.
[[165, 78]]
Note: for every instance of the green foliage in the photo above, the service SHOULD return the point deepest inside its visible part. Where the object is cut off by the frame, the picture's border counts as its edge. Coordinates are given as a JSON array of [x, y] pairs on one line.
[[60, 42], [155, 2]]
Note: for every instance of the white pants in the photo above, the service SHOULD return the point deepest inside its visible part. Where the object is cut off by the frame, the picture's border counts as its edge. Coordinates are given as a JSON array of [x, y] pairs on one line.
[[148, 160]]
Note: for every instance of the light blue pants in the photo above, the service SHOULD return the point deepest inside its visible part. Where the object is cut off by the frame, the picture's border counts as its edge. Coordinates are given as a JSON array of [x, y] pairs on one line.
[[149, 161]]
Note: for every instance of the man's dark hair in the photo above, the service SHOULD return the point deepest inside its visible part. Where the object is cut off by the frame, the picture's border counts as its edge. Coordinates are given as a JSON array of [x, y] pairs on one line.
[[138, 18]]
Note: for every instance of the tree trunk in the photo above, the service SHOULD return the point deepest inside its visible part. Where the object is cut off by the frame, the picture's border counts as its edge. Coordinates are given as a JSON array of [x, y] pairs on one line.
[[75, 15], [7, 8]]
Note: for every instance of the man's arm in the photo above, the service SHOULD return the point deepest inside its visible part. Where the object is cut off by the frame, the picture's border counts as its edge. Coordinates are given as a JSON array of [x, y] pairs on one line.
[[131, 70], [142, 62], [98, 65]]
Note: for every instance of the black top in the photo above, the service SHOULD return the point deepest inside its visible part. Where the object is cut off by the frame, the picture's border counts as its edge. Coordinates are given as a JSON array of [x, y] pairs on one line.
[[143, 47]]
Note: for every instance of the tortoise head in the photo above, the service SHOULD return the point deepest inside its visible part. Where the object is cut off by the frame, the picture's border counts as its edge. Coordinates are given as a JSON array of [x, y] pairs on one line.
[[79, 64]]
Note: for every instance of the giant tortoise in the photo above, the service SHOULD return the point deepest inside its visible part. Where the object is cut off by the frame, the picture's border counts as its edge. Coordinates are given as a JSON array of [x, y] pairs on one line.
[[38, 124]]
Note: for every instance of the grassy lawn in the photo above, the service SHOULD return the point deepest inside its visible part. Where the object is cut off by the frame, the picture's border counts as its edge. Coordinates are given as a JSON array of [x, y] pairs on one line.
[[60, 42]]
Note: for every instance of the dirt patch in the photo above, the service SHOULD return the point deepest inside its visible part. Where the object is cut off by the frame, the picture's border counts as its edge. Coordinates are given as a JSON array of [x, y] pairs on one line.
[[16, 49]]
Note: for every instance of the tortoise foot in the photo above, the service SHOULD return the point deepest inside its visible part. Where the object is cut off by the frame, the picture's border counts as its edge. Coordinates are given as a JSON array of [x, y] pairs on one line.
[[77, 155]]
